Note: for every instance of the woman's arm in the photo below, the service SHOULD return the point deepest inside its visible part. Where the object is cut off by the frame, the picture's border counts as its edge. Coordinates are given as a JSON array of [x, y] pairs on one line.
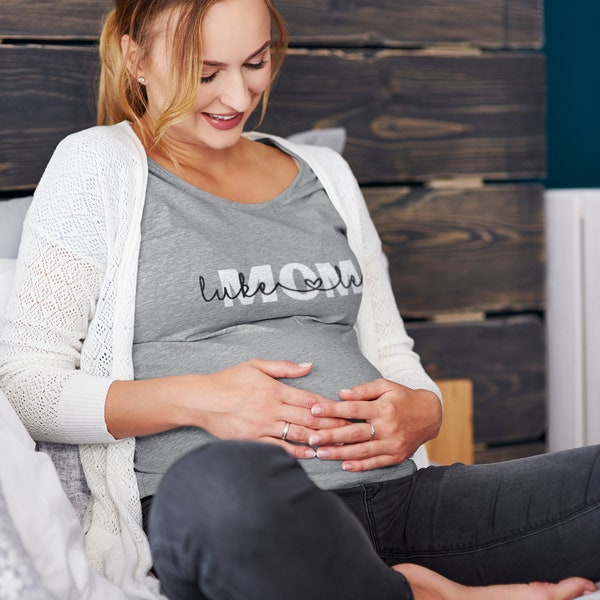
[[245, 402], [60, 271]]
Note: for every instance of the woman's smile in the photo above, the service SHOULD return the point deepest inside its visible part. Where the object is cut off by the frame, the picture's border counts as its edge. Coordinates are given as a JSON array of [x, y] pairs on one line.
[[223, 121]]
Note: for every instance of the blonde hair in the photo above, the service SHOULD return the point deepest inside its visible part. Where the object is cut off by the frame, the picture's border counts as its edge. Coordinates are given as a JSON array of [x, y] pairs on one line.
[[122, 97]]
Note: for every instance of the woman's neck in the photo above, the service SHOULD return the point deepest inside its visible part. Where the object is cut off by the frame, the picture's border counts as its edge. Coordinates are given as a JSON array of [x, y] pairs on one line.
[[247, 172]]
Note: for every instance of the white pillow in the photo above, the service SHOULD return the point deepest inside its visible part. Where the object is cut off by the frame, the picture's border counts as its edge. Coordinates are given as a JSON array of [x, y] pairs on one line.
[[7, 273], [43, 516], [12, 213], [18, 578], [332, 137]]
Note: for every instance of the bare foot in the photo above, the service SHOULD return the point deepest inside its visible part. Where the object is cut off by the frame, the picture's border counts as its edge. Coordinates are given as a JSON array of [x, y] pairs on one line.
[[428, 585]]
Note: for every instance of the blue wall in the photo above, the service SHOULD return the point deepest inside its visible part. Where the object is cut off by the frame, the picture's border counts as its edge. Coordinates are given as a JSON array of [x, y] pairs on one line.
[[573, 54]]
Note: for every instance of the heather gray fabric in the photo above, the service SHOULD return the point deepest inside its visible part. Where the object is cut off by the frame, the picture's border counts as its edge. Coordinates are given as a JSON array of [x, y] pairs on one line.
[[221, 282]]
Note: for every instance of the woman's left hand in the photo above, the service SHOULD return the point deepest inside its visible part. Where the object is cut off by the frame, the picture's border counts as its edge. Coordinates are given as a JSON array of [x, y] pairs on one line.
[[395, 421]]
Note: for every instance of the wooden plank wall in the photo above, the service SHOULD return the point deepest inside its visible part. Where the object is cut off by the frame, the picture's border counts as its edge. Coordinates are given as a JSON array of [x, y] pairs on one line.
[[443, 102]]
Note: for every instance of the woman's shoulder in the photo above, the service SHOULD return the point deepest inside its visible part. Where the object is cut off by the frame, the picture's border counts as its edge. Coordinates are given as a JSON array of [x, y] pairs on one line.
[[91, 162], [112, 139], [97, 150], [308, 146]]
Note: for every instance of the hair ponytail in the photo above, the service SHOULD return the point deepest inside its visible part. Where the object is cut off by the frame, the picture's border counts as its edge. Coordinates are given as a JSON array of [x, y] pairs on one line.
[[120, 95]]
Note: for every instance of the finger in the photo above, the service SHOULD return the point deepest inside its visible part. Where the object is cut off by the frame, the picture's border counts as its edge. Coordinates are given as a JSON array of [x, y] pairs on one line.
[[366, 391], [374, 462], [349, 409], [350, 452], [296, 450], [280, 369], [363, 457], [298, 397], [352, 433], [284, 369], [310, 424], [290, 431]]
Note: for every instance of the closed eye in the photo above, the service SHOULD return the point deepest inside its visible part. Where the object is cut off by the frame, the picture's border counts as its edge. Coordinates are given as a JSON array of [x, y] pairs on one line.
[[209, 78], [253, 66], [257, 66]]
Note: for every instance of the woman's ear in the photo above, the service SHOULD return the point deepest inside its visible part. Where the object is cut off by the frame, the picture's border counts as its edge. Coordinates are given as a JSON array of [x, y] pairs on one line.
[[131, 53]]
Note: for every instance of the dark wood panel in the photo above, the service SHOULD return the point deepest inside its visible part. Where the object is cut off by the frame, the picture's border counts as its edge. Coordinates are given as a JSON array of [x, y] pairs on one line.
[[412, 116], [409, 117], [505, 359], [46, 94], [479, 250], [524, 23], [55, 19], [483, 23], [484, 455]]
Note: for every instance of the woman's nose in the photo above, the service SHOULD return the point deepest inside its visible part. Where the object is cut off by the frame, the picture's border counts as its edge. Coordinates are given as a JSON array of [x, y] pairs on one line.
[[235, 92]]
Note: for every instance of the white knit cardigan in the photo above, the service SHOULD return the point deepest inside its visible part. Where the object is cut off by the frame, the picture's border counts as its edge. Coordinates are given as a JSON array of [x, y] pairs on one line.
[[69, 325]]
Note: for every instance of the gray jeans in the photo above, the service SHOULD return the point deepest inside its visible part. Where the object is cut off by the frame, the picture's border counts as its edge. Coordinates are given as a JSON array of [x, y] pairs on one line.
[[237, 520]]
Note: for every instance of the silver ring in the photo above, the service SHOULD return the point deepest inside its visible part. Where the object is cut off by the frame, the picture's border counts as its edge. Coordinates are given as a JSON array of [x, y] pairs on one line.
[[373, 432], [286, 428]]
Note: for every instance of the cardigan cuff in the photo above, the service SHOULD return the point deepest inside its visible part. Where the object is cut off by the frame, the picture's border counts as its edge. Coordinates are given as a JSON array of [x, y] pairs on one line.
[[81, 414]]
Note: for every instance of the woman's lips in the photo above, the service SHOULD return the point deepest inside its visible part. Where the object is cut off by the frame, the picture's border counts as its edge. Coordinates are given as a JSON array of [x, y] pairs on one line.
[[223, 122]]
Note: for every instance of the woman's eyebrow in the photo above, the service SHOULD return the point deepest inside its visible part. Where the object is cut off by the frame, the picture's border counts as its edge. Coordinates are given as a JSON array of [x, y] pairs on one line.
[[212, 63]]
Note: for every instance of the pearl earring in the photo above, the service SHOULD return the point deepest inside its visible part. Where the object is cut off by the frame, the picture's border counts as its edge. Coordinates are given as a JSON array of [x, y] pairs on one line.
[[141, 80]]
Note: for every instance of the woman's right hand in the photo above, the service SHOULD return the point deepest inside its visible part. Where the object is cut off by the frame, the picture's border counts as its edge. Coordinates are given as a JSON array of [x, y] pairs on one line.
[[244, 402], [247, 402]]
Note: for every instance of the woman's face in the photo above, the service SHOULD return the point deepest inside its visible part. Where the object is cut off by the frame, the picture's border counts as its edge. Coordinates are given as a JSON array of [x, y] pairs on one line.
[[236, 40]]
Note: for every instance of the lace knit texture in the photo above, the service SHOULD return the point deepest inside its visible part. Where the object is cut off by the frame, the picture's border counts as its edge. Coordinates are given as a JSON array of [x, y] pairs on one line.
[[69, 324]]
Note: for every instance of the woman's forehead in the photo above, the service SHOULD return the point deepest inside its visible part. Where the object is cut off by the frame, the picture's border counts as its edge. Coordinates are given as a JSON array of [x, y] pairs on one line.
[[235, 26], [226, 23]]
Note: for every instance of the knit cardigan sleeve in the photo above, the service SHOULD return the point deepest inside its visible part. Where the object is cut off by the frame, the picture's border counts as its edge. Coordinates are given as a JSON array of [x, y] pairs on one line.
[[59, 280], [381, 329]]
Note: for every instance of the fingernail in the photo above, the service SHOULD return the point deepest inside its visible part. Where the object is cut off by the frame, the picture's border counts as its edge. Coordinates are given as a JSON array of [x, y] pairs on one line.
[[309, 453], [345, 391], [347, 467], [322, 453], [305, 364], [313, 440], [316, 410]]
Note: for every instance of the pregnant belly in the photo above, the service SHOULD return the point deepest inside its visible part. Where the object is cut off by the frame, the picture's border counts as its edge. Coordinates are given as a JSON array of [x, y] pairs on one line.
[[332, 349]]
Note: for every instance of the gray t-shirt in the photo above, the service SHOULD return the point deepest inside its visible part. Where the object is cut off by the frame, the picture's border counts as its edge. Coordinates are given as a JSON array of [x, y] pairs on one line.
[[221, 282]]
